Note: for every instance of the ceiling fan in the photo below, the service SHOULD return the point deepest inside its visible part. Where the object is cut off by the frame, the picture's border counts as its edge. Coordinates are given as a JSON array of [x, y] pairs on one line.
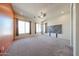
[[41, 15]]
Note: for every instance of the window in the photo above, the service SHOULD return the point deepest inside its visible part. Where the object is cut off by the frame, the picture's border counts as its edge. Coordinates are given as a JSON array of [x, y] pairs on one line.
[[27, 27], [44, 28], [23, 27], [38, 27]]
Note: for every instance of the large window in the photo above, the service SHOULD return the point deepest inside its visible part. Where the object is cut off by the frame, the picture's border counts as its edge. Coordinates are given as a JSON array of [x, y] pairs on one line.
[[27, 27], [45, 27], [23, 27], [38, 27]]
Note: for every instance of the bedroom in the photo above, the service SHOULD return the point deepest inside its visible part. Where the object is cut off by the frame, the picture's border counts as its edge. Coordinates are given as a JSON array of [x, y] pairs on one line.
[[39, 29]]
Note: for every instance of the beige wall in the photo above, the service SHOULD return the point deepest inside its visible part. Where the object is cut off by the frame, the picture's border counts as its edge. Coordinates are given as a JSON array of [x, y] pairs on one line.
[[65, 21], [33, 28], [76, 30]]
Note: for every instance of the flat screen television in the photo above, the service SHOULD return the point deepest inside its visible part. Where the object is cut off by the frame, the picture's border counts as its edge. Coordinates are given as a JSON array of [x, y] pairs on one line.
[[55, 29]]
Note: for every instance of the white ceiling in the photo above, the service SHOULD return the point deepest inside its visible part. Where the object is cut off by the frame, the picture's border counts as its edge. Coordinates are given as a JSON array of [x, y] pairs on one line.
[[32, 9]]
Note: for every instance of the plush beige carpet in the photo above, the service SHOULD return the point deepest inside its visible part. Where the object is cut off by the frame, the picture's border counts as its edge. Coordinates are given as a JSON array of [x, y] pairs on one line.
[[40, 46]]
